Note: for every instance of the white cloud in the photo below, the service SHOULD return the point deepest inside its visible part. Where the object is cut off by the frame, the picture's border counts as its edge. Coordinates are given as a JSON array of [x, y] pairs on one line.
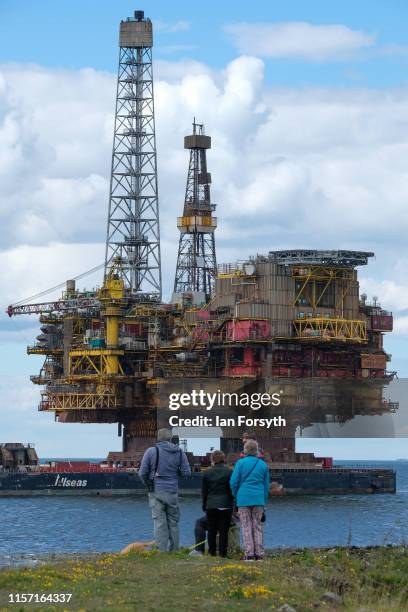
[[401, 326], [291, 167], [394, 296], [28, 270], [175, 70], [298, 40], [172, 27], [55, 136]]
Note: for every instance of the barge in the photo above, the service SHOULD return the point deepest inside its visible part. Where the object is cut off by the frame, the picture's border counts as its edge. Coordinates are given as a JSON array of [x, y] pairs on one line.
[[26, 477], [290, 481]]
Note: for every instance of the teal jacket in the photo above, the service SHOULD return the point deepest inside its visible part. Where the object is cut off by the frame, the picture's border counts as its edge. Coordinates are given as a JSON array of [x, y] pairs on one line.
[[252, 490]]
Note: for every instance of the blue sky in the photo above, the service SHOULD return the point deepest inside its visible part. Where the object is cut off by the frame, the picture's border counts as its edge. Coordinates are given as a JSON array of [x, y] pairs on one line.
[[310, 97], [77, 34]]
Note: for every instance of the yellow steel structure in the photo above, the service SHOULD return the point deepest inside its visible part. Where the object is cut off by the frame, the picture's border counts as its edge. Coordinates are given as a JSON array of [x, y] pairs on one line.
[[328, 329], [311, 275], [145, 312], [111, 297], [197, 223], [43, 350], [94, 362], [240, 274], [97, 371], [78, 401], [49, 319], [99, 366], [78, 323]]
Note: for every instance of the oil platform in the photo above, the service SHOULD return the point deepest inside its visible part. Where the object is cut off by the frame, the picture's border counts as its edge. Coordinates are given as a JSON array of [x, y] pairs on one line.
[[291, 322]]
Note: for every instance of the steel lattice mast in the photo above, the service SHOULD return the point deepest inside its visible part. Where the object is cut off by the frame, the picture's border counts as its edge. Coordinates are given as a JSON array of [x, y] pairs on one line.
[[196, 261], [133, 221]]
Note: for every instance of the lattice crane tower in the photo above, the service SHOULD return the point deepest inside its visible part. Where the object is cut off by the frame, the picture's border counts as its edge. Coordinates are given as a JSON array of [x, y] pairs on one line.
[[133, 236], [196, 261]]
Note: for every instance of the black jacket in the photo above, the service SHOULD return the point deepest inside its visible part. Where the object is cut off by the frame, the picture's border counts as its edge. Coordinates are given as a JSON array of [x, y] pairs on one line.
[[215, 489]]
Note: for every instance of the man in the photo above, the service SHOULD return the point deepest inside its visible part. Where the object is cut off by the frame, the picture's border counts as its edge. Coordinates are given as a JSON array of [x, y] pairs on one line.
[[160, 468], [250, 436], [200, 534]]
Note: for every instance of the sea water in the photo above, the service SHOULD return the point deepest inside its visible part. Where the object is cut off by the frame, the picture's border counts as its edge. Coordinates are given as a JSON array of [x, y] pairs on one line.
[[35, 526]]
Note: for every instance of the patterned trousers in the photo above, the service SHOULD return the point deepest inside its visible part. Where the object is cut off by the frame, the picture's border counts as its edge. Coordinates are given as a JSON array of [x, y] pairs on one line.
[[250, 518]]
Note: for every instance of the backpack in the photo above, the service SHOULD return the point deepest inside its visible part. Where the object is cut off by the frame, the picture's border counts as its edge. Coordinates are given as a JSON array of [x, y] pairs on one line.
[[150, 481]]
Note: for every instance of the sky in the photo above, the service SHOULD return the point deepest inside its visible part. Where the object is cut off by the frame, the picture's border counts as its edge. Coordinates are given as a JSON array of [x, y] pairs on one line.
[[307, 106]]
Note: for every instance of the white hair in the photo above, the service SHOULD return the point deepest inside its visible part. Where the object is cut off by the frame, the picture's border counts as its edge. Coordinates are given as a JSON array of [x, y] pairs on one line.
[[164, 435], [251, 447]]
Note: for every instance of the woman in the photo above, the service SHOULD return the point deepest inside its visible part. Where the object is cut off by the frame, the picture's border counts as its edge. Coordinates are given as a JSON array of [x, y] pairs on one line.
[[250, 487], [217, 503]]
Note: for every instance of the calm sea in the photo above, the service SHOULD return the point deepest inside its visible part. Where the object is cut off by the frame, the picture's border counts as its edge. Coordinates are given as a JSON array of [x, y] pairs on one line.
[[37, 526]]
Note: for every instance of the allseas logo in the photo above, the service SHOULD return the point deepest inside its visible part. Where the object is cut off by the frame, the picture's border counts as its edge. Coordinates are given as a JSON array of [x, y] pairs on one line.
[[66, 482]]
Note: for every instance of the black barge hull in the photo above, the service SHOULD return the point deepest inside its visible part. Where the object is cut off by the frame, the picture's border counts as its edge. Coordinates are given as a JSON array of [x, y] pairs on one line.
[[292, 481]]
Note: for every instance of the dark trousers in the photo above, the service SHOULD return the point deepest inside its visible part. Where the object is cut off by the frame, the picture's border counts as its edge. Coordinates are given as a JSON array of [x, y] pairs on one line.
[[200, 529], [218, 523]]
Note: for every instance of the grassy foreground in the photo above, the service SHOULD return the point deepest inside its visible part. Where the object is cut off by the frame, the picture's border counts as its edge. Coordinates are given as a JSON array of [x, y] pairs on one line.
[[337, 579]]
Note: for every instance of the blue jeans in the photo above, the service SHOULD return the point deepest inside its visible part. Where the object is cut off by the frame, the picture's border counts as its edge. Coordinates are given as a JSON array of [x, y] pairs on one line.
[[166, 516]]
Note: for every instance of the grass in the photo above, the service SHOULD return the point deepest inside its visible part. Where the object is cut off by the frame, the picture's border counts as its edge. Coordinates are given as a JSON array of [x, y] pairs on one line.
[[367, 580]]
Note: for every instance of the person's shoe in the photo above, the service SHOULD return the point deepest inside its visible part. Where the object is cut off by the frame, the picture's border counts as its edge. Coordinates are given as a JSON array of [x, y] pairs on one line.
[[257, 558], [249, 559], [195, 553]]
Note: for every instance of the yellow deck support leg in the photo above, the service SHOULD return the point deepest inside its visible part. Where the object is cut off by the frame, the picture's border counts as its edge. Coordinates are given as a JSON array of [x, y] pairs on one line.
[[112, 292]]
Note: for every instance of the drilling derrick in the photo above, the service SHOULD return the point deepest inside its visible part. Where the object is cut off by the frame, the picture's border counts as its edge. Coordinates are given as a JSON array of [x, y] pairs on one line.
[[196, 261], [133, 219]]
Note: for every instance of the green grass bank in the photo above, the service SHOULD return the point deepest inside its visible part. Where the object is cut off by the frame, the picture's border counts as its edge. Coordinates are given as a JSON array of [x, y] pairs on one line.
[[366, 580]]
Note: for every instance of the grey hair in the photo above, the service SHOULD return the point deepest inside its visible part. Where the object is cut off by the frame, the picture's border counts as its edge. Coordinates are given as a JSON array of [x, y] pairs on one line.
[[164, 435], [251, 447]]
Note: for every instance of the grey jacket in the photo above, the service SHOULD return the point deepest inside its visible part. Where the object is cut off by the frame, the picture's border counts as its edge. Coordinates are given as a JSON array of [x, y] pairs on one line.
[[172, 463]]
